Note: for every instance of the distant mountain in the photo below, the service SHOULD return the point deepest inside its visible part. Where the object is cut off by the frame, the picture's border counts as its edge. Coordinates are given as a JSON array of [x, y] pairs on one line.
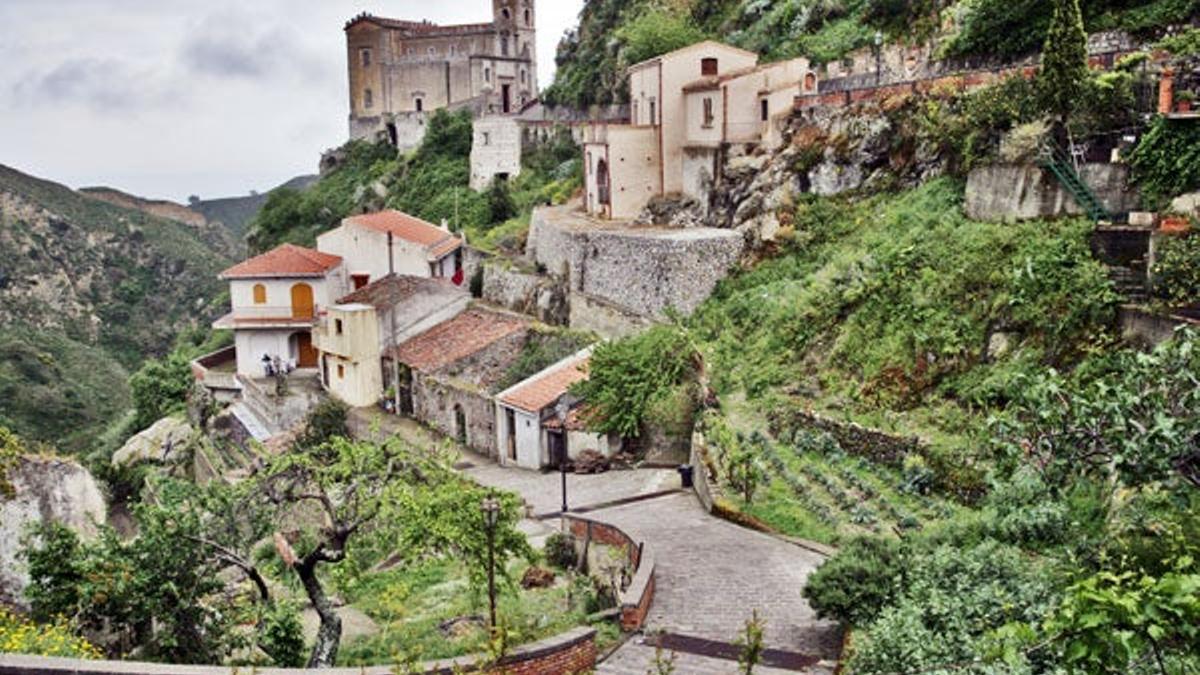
[[155, 207], [237, 212], [88, 290]]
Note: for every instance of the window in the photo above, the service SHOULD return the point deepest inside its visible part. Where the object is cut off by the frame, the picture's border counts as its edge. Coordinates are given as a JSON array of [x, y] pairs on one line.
[[365, 55], [453, 50], [766, 109], [504, 45], [708, 113], [433, 51], [487, 138], [368, 99], [341, 372], [506, 14], [260, 294], [528, 18], [410, 51], [487, 74], [708, 67], [522, 77], [337, 326], [420, 105], [653, 112], [635, 112]]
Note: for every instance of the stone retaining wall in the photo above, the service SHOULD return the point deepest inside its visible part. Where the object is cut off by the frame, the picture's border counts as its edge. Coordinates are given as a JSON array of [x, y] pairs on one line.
[[570, 653], [855, 439], [605, 319], [635, 600], [647, 271], [1005, 192]]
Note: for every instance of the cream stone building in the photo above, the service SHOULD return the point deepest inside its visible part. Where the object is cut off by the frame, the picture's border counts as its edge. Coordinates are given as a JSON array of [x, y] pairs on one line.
[[376, 245], [686, 106], [400, 70], [277, 298]]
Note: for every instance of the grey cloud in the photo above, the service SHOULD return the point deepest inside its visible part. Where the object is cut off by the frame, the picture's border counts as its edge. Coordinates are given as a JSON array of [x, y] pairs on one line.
[[102, 84], [220, 46]]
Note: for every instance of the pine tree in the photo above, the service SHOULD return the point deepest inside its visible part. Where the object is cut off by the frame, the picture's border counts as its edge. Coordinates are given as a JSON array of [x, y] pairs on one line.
[[1064, 59]]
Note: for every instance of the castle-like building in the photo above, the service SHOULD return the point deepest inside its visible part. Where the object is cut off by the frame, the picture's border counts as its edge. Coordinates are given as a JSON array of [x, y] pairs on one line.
[[401, 70]]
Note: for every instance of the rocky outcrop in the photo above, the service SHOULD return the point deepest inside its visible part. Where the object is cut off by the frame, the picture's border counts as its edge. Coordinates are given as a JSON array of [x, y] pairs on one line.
[[164, 442], [160, 208], [47, 489]]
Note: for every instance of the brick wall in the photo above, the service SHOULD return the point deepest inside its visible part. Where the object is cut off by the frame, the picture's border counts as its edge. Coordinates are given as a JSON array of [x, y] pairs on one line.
[[635, 600], [570, 653]]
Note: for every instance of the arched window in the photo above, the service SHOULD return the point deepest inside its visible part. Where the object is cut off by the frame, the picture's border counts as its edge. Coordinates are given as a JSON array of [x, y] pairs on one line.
[[260, 294], [506, 14], [528, 18], [420, 105]]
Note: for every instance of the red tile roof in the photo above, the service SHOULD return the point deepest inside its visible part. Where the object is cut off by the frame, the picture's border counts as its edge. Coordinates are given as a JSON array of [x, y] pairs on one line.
[[286, 261], [456, 339], [410, 228], [546, 388], [394, 289]]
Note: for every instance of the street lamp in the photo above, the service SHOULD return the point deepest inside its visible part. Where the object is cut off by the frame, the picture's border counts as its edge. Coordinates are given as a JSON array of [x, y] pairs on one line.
[[878, 56], [561, 409], [491, 514]]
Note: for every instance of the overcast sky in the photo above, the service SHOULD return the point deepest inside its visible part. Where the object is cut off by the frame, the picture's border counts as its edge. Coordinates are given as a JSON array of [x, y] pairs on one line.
[[167, 98]]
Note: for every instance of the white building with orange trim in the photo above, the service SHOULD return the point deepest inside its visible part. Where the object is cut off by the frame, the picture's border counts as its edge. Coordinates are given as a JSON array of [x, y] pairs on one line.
[[375, 245], [277, 298], [686, 106]]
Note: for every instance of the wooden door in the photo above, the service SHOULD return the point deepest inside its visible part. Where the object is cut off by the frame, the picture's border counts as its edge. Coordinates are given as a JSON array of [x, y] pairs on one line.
[[302, 302], [306, 354]]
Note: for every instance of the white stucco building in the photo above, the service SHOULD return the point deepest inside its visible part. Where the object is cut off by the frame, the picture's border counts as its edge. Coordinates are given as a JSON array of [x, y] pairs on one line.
[[375, 245], [276, 300], [686, 106], [529, 432]]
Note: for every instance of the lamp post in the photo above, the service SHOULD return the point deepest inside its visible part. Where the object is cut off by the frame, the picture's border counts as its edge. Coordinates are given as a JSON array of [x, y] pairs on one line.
[[491, 514], [561, 409], [878, 56]]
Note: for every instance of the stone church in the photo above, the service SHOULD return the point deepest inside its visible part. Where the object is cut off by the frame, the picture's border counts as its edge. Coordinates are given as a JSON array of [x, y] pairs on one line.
[[402, 70]]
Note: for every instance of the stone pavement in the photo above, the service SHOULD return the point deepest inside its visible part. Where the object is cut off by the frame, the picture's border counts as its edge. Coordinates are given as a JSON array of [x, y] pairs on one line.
[[710, 576]]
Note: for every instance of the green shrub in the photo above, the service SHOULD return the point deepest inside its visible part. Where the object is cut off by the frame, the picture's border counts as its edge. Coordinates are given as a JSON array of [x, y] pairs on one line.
[[627, 376], [1166, 162], [21, 636], [856, 585], [326, 422], [1177, 269], [560, 550], [281, 635]]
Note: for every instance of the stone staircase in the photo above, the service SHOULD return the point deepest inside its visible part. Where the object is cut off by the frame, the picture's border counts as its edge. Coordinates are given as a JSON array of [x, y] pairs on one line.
[[252, 421], [1130, 282]]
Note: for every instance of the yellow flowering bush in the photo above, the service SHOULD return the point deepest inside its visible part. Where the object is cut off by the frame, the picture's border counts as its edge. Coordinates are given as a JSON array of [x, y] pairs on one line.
[[19, 635]]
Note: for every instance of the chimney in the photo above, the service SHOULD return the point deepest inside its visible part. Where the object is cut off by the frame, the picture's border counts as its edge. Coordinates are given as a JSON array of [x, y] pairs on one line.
[[1166, 92], [391, 257]]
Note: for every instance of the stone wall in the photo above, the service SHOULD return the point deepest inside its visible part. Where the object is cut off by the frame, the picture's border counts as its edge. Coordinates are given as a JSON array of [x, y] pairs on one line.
[[508, 286], [645, 271], [855, 439], [1147, 329], [1007, 192], [495, 150], [570, 653], [588, 313]]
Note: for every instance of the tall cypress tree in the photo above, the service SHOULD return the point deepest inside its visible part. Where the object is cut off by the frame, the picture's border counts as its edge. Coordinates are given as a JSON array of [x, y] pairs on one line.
[[1064, 59]]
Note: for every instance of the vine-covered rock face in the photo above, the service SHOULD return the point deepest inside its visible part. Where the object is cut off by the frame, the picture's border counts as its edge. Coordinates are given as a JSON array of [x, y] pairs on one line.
[[47, 490]]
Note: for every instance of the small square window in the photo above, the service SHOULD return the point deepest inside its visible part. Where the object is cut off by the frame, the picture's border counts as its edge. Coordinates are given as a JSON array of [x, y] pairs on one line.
[[337, 326], [368, 99], [708, 67], [365, 55]]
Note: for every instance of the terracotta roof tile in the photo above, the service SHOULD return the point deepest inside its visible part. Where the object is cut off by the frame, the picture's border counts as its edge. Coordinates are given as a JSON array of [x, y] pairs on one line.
[[546, 388], [284, 261], [410, 228], [395, 289], [456, 339]]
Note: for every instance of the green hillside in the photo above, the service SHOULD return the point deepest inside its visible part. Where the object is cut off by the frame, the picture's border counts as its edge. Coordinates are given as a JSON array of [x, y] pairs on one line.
[[236, 213], [87, 292], [614, 34]]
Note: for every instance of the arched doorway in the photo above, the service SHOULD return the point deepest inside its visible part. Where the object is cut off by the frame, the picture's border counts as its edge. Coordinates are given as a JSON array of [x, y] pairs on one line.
[[460, 425], [603, 189], [306, 354], [302, 302]]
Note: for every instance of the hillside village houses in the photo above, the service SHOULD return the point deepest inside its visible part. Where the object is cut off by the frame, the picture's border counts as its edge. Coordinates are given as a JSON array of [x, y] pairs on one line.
[[687, 106]]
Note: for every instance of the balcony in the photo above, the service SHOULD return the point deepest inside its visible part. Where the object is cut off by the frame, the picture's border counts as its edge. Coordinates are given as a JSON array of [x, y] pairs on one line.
[[266, 316]]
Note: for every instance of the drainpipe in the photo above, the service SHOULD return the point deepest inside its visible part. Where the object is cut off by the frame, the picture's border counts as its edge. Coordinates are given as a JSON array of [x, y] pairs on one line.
[[391, 256], [662, 155]]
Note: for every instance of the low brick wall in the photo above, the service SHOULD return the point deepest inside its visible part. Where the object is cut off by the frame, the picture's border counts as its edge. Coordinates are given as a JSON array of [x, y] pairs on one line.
[[571, 653], [636, 599]]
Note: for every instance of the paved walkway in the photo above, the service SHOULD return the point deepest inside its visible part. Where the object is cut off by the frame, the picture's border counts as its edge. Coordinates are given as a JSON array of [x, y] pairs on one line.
[[710, 574]]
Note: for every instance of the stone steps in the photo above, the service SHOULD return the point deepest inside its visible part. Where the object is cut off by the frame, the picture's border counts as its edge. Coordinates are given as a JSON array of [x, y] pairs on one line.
[[251, 420]]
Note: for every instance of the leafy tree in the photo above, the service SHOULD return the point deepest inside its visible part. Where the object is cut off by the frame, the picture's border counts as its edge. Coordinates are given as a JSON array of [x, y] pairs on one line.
[[750, 644], [1177, 269], [1138, 423], [1166, 161], [627, 376], [500, 201], [160, 388], [326, 422], [390, 493], [1064, 59], [744, 473], [856, 585], [656, 31], [12, 448]]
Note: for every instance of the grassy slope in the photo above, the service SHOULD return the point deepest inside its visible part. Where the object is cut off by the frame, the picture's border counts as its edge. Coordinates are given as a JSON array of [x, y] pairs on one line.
[[143, 278], [879, 311]]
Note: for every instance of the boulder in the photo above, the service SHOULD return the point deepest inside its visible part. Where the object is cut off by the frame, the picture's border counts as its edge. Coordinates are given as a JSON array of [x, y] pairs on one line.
[[1188, 204], [47, 489], [537, 577], [163, 442]]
